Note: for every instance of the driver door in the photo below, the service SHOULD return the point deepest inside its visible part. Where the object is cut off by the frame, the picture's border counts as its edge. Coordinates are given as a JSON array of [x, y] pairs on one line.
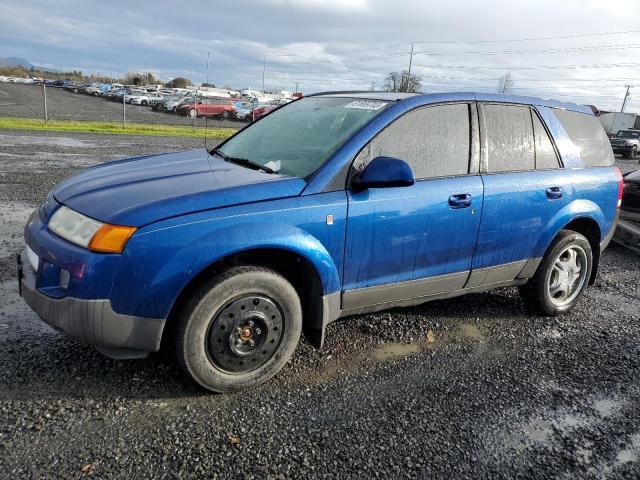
[[411, 242]]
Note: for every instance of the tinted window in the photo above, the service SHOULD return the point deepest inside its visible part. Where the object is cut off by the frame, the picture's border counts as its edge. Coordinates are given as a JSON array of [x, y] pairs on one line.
[[434, 141], [587, 134], [545, 153], [628, 134], [508, 138]]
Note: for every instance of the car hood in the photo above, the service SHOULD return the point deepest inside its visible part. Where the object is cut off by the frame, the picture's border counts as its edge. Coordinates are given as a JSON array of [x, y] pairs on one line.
[[144, 190]]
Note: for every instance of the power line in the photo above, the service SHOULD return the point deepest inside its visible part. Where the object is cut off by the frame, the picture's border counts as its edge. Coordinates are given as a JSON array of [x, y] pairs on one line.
[[530, 67], [457, 42]]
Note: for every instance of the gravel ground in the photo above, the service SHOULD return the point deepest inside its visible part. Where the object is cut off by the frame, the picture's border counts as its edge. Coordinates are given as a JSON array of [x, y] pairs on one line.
[[27, 101], [472, 387]]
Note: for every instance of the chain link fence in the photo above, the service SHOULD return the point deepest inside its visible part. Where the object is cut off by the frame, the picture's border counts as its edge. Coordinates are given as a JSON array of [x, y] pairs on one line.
[[73, 104]]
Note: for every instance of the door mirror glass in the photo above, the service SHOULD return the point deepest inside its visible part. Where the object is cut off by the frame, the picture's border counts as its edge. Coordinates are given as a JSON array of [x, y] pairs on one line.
[[384, 172]]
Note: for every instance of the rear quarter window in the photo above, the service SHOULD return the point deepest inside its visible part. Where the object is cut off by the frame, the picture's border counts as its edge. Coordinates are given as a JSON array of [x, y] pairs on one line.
[[587, 134]]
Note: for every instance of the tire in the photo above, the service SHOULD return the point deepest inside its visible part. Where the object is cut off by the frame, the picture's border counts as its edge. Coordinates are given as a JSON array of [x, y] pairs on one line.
[[627, 155], [144, 103], [556, 289], [225, 115], [239, 306], [193, 113], [634, 152]]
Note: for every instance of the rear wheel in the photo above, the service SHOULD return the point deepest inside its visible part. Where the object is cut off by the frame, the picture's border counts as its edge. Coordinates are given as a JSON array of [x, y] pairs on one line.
[[225, 114], [239, 329], [144, 103], [561, 277], [193, 113]]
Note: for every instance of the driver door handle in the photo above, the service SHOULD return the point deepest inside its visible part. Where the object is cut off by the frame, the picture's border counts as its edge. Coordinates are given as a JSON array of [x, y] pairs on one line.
[[462, 200]]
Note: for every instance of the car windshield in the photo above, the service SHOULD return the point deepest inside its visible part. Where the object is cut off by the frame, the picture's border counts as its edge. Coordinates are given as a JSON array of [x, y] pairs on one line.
[[297, 139], [627, 134]]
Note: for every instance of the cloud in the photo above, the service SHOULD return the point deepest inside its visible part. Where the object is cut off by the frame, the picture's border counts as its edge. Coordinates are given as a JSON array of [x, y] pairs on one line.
[[331, 44]]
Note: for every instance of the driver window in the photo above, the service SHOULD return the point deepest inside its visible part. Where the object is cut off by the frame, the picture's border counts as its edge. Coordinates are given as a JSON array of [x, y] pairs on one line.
[[434, 141]]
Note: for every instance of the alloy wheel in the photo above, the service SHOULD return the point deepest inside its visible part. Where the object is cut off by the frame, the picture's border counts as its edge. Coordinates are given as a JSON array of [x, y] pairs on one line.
[[568, 275]]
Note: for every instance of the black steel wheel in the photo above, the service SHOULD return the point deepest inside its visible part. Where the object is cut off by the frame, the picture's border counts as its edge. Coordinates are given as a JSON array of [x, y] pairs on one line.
[[246, 333], [239, 329]]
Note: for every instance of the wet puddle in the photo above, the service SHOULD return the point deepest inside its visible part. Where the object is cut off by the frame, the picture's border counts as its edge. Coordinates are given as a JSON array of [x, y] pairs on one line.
[[392, 351], [472, 332]]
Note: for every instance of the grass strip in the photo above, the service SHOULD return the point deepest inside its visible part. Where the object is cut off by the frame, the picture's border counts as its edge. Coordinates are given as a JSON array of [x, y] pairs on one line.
[[114, 128]]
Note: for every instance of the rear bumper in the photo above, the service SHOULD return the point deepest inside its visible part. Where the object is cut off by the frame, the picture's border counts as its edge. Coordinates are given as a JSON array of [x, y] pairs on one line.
[[91, 321]]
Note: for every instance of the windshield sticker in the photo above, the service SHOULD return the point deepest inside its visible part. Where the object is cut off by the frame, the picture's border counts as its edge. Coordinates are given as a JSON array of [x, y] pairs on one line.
[[366, 104], [275, 166]]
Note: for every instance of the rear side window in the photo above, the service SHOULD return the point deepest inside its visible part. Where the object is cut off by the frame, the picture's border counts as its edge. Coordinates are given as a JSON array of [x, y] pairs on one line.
[[434, 141], [546, 157], [508, 138], [587, 134]]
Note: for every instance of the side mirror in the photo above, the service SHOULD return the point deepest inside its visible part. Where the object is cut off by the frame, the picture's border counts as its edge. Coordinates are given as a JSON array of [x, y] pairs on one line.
[[384, 172]]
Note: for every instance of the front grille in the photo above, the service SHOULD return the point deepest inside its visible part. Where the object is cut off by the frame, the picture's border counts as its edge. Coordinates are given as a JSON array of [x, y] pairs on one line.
[[617, 143]]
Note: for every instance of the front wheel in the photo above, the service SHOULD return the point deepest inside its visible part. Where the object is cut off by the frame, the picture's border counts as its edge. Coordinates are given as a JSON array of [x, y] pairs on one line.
[[239, 329], [561, 277], [193, 113], [225, 115]]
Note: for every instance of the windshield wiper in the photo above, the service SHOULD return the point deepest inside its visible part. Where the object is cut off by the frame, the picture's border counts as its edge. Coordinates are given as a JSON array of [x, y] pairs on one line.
[[242, 161]]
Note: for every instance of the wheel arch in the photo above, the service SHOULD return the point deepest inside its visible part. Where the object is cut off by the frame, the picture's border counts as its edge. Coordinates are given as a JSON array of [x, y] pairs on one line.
[[293, 266], [581, 216]]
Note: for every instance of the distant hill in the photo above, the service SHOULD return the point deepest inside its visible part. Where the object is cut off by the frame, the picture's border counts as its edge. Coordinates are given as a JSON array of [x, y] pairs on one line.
[[14, 61]]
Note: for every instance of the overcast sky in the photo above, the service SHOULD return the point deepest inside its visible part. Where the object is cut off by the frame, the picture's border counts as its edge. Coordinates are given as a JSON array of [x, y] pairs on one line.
[[343, 44]]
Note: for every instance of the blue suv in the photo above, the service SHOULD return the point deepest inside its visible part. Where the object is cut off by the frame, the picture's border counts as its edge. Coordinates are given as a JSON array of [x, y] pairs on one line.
[[336, 204]]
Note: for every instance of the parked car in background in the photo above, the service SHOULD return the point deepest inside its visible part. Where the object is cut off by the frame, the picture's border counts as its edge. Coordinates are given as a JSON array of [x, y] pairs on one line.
[[244, 111], [175, 101], [334, 205], [268, 107], [208, 107], [628, 229], [626, 143]]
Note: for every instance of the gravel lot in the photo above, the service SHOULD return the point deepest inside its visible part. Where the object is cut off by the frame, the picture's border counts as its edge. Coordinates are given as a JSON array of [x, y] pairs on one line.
[[491, 392], [26, 101]]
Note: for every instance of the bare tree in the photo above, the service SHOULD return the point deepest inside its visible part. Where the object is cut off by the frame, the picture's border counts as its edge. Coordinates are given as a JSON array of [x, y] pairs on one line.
[[402, 82], [392, 82], [505, 83]]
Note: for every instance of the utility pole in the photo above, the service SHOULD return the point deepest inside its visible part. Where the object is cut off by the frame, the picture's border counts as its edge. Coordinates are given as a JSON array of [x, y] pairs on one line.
[[410, 59], [190, 71], [264, 67], [208, 54], [406, 86], [373, 84], [626, 97], [296, 88]]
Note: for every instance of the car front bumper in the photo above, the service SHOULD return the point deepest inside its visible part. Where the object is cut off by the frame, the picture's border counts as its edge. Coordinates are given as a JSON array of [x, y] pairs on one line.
[[91, 321], [622, 148]]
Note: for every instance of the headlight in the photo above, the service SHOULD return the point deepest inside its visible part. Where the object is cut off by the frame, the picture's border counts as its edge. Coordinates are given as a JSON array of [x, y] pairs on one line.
[[89, 233]]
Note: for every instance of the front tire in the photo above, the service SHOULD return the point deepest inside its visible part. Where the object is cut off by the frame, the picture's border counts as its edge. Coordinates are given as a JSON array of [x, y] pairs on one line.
[[225, 115], [239, 329], [193, 113], [561, 277]]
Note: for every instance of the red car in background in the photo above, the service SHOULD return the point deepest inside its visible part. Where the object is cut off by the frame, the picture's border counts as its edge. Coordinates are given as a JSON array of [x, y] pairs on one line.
[[268, 107], [209, 107]]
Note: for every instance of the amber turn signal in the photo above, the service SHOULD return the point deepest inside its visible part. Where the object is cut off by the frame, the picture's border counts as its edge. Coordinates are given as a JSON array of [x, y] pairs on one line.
[[111, 238]]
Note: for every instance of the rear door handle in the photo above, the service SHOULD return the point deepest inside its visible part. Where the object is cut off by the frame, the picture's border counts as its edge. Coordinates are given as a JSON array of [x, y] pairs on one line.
[[462, 200], [553, 193]]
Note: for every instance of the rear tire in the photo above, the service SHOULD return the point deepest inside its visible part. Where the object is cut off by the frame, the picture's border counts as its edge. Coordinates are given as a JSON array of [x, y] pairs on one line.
[[561, 277], [239, 329], [193, 113], [225, 115]]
